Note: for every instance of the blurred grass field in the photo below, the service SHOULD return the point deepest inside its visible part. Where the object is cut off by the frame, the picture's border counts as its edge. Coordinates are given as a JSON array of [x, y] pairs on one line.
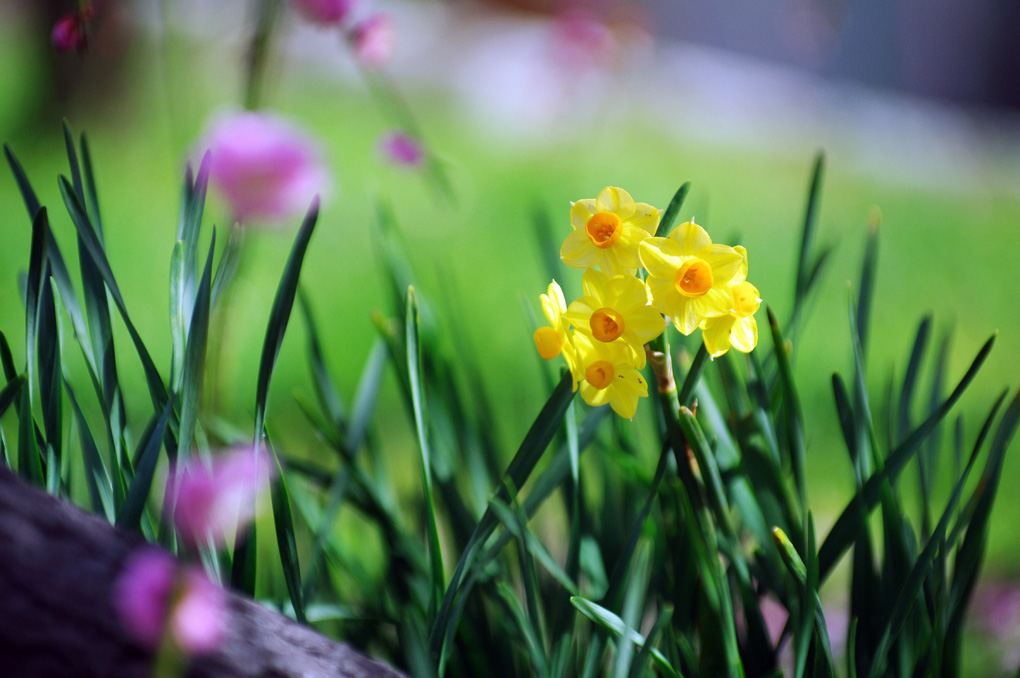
[[945, 252]]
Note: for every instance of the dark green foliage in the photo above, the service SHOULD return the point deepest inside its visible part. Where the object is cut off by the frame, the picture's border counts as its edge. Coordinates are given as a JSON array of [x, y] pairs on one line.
[[573, 556]]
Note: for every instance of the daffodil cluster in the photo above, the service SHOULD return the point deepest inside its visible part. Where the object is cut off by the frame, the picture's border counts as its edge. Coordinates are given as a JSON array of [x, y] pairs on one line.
[[694, 282]]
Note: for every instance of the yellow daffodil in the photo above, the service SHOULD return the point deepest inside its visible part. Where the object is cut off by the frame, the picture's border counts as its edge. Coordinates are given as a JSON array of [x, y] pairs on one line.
[[688, 275], [609, 375], [738, 327], [616, 310], [554, 339], [607, 231]]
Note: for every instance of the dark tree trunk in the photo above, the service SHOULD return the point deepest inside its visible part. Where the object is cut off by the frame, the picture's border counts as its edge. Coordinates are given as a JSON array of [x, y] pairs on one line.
[[57, 568]]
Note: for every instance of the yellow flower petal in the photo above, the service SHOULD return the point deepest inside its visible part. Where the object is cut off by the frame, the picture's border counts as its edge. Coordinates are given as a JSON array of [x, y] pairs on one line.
[[578, 252], [715, 332], [685, 315], [690, 237], [581, 211], [645, 217], [661, 256], [616, 200], [744, 335], [727, 263]]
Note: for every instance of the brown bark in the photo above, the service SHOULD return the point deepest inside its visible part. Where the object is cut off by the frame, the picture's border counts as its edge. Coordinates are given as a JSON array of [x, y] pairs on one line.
[[57, 568]]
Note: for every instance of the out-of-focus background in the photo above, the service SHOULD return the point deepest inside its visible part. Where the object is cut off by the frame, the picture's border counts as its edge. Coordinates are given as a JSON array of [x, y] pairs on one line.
[[530, 104]]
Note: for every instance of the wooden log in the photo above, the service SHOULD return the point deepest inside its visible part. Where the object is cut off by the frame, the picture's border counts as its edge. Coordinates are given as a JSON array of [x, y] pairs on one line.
[[57, 569]]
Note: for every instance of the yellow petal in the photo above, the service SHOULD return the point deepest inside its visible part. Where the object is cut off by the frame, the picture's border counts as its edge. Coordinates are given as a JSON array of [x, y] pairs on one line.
[[645, 325], [744, 335], [715, 332], [579, 313], [726, 262], [665, 298], [661, 256], [578, 252], [580, 212], [616, 200], [594, 284], [645, 217], [717, 301], [685, 315], [594, 396], [619, 260], [690, 237]]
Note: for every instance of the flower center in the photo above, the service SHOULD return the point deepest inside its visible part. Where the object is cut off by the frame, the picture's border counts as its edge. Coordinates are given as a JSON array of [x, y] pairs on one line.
[[745, 299], [600, 374], [548, 342], [606, 324], [694, 278], [604, 229]]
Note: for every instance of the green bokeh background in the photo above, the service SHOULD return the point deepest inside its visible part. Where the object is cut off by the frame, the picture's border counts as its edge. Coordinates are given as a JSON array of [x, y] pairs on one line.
[[950, 253]]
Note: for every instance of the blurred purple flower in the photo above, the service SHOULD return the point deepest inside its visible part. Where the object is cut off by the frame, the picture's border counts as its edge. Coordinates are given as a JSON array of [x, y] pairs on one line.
[[144, 590], [69, 32], [373, 40], [324, 11], [141, 593], [212, 500], [263, 166], [402, 149]]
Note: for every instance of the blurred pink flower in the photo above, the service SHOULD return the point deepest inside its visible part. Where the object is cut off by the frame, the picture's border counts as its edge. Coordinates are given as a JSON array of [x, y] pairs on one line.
[[402, 149], [373, 40], [263, 166], [582, 42], [69, 32], [212, 500], [324, 11], [141, 593], [144, 589], [199, 620]]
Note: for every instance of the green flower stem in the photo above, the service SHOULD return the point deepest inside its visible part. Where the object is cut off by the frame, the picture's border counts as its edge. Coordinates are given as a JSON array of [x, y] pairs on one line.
[[694, 497]]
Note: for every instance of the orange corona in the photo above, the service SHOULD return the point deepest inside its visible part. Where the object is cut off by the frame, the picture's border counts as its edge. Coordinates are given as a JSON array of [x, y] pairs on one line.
[[604, 229], [694, 278]]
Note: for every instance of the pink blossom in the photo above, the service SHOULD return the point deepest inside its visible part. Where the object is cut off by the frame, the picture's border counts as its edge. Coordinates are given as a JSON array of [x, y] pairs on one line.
[[373, 40], [583, 42], [199, 620], [212, 500], [324, 11], [263, 166], [402, 149], [69, 32], [145, 589], [141, 593]]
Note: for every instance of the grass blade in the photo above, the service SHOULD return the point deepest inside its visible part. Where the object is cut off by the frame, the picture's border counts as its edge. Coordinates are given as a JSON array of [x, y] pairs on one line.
[[617, 628], [284, 522], [27, 192], [414, 371], [808, 234], [868, 269], [10, 392], [672, 210], [912, 587], [280, 314], [537, 439], [91, 195], [794, 416], [97, 477], [130, 515], [242, 577], [195, 352], [157, 389], [848, 524]]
